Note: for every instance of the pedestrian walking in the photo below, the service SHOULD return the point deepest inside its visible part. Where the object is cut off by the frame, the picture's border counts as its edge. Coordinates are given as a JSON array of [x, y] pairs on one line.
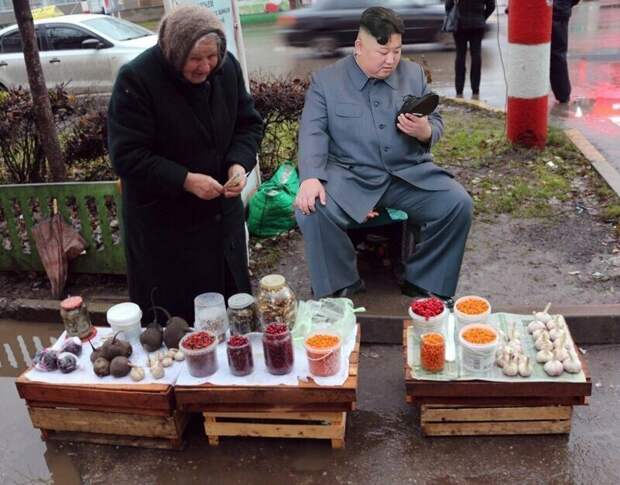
[[558, 72], [472, 16]]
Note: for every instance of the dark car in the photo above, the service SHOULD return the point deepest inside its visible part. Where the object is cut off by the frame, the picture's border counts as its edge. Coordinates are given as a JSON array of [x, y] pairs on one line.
[[330, 24]]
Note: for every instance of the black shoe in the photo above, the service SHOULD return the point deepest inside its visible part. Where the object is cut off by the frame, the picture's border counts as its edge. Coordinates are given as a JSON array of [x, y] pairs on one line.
[[349, 291]]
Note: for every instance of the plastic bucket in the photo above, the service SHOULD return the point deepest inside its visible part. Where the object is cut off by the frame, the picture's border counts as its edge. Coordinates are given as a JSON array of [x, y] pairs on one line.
[[438, 324], [200, 362], [463, 318], [324, 361], [125, 318], [478, 357]]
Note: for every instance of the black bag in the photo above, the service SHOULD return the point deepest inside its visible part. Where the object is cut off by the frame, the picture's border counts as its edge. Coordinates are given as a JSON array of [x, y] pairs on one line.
[[451, 20], [422, 106]]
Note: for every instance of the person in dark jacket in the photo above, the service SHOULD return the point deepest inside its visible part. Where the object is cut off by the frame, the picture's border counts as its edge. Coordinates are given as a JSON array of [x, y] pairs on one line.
[[180, 124], [558, 72], [470, 29]]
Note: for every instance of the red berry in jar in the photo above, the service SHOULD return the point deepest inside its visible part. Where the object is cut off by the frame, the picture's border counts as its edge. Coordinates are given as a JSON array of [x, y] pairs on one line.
[[239, 353], [278, 349]]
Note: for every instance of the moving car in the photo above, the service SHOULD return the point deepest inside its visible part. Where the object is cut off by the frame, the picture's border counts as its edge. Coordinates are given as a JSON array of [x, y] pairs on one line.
[[82, 51], [329, 24]]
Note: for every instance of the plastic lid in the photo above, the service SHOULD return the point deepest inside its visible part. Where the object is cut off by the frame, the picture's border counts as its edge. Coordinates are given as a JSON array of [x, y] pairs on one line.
[[124, 314], [272, 282], [71, 303], [240, 300]]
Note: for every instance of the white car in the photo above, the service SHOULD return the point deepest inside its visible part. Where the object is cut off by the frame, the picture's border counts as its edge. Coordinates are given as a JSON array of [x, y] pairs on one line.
[[83, 51]]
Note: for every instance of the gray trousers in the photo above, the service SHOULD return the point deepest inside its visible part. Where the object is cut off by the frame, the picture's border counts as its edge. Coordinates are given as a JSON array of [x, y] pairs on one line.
[[444, 217]]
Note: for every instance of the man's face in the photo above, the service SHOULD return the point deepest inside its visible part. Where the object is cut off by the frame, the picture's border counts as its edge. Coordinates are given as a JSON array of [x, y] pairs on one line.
[[376, 60], [201, 60]]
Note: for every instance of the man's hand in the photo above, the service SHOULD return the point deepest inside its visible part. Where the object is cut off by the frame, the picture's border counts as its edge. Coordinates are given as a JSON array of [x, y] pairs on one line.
[[372, 214], [203, 186], [417, 127], [309, 190], [236, 181]]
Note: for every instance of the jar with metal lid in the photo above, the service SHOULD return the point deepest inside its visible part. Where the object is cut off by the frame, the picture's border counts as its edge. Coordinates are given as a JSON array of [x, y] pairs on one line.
[[76, 318], [242, 315], [276, 301]]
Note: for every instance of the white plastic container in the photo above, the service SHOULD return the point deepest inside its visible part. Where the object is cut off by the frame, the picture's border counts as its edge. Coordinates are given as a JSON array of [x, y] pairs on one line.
[[125, 317], [478, 357], [437, 323], [463, 319]]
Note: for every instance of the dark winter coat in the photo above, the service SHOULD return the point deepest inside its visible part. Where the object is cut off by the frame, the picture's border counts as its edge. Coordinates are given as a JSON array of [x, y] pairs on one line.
[[562, 9], [160, 127], [472, 13]]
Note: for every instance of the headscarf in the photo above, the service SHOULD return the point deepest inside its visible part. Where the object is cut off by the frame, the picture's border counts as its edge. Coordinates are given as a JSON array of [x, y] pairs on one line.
[[183, 27]]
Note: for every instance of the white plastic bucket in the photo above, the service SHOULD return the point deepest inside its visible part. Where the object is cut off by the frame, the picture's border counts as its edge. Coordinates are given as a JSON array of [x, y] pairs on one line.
[[438, 324], [478, 357], [463, 319], [125, 317]]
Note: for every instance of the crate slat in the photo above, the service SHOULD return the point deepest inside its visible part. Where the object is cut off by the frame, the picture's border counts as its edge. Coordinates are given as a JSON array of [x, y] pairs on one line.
[[442, 413], [497, 428]]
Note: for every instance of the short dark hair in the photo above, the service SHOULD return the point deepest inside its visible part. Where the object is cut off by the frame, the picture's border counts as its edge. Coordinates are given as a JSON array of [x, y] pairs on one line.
[[381, 23]]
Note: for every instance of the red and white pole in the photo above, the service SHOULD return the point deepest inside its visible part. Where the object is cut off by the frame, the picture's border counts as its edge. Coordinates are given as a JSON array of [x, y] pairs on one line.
[[529, 41]]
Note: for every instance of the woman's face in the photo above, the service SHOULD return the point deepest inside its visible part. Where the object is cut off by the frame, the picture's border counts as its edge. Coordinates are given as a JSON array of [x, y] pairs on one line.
[[201, 60]]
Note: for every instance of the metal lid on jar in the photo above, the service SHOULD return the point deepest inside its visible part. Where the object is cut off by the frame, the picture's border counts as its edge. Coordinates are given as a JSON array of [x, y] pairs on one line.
[[272, 282], [71, 303], [240, 300]]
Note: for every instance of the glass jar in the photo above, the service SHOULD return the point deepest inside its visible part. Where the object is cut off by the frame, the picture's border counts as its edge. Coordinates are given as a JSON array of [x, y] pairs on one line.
[[276, 302], [76, 318], [239, 353], [432, 351], [242, 317], [210, 314], [200, 349], [278, 349]]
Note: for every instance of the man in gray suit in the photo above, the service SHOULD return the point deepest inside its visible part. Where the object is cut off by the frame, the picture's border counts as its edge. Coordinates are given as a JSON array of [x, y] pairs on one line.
[[356, 156]]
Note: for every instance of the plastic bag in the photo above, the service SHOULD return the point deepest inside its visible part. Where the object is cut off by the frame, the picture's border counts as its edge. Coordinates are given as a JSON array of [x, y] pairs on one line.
[[336, 314], [271, 208]]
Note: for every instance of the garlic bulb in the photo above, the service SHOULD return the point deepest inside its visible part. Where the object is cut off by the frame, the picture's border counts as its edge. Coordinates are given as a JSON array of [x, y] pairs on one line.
[[538, 332], [525, 366], [543, 316], [554, 367], [500, 359], [572, 364], [536, 325], [137, 374], [167, 362], [154, 359], [157, 371], [560, 351], [543, 342], [551, 324], [555, 334], [179, 356], [171, 353], [545, 355], [511, 367]]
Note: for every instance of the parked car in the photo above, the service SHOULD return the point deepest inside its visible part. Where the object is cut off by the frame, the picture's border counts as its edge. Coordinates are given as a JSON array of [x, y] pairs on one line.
[[329, 24], [83, 51]]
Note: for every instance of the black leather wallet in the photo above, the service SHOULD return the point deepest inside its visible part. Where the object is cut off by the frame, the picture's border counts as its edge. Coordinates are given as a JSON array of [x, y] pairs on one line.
[[422, 106]]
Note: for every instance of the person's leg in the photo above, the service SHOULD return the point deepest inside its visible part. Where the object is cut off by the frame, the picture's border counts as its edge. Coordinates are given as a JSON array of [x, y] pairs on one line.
[[459, 61], [330, 254], [558, 69], [475, 48], [445, 218]]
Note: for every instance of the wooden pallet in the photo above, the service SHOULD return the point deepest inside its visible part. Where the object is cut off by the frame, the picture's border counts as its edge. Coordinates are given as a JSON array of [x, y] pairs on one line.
[[306, 410], [455, 420], [125, 415], [316, 425], [461, 408]]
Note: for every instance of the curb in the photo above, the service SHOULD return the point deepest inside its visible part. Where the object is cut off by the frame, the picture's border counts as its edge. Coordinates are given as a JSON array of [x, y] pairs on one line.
[[589, 324]]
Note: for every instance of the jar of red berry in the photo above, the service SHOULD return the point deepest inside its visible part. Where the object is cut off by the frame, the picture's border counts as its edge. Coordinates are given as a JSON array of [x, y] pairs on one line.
[[200, 349], [239, 352], [278, 348]]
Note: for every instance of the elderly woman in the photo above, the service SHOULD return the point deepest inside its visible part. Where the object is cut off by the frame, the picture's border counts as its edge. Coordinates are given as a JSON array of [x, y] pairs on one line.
[[180, 125]]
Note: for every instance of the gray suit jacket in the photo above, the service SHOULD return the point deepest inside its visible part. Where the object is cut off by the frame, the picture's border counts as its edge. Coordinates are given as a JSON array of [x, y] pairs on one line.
[[348, 137]]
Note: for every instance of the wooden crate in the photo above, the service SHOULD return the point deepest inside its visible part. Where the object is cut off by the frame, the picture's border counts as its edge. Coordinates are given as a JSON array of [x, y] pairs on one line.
[[127, 415], [303, 411], [466, 420], [461, 408]]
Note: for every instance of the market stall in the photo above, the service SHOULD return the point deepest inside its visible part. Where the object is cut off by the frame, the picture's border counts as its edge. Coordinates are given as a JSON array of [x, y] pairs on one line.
[[526, 380]]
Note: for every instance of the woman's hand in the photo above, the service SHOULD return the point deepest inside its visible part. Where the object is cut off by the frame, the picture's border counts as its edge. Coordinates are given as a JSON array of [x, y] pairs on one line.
[[236, 181], [417, 127], [203, 186]]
